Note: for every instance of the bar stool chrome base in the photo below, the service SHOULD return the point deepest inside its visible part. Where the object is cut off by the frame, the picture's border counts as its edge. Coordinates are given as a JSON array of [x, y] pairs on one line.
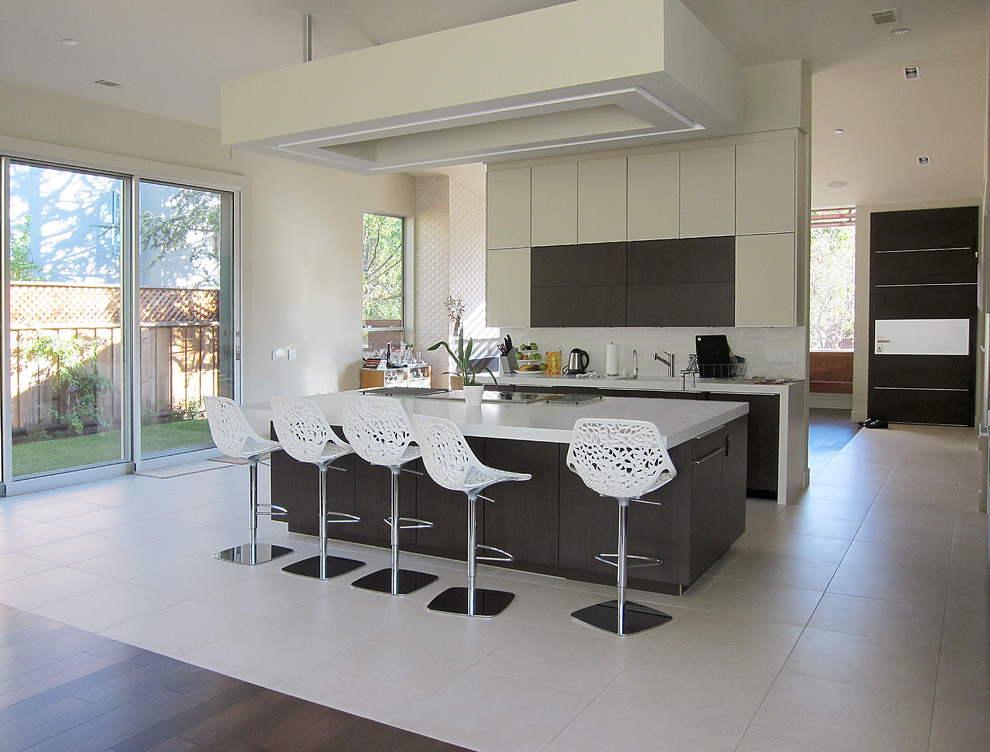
[[323, 567], [247, 553], [406, 581], [486, 602], [638, 617]]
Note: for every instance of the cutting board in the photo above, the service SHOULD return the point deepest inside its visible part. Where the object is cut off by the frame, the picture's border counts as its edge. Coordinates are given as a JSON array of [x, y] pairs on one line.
[[712, 350]]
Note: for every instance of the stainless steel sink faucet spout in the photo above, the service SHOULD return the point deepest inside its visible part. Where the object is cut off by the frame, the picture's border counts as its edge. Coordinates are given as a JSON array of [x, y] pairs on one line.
[[668, 361], [635, 371]]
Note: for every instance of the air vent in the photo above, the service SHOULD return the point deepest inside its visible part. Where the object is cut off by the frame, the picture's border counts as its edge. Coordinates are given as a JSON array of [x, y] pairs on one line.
[[884, 17], [911, 73], [108, 84]]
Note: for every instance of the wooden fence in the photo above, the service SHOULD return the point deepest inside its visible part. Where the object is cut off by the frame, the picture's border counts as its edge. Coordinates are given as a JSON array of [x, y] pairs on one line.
[[180, 349]]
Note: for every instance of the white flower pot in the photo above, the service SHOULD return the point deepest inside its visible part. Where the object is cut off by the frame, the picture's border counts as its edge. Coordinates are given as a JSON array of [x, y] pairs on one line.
[[472, 395]]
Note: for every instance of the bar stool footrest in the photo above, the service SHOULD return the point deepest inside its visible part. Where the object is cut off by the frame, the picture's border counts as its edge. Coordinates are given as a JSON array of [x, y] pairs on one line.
[[344, 517], [417, 524], [250, 555], [605, 616], [486, 602], [505, 555], [632, 562], [272, 510]]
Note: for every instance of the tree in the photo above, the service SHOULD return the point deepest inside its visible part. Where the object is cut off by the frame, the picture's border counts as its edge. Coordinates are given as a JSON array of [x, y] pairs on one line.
[[23, 267], [833, 282], [188, 224], [382, 262]]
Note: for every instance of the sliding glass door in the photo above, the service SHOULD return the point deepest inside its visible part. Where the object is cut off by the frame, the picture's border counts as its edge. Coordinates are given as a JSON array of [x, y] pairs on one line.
[[186, 311], [65, 303], [119, 296]]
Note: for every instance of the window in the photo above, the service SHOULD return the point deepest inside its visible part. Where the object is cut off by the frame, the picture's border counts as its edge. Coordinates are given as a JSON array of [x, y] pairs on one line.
[[384, 310], [833, 279]]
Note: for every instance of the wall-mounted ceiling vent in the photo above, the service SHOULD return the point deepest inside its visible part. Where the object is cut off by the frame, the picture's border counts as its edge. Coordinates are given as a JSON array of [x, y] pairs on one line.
[[884, 17], [108, 84], [912, 73]]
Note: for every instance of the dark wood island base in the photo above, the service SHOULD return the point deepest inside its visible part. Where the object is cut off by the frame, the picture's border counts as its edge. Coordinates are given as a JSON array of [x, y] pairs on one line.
[[552, 524]]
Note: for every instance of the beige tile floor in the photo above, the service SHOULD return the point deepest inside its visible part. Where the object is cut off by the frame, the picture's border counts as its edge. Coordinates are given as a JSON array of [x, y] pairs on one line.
[[854, 621]]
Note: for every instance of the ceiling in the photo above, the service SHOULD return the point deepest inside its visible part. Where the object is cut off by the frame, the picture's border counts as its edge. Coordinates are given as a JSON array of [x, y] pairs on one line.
[[170, 57]]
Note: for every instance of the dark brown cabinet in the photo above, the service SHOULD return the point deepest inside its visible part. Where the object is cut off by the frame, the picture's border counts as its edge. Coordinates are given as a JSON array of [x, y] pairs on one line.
[[681, 282], [552, 523], [763, 441]]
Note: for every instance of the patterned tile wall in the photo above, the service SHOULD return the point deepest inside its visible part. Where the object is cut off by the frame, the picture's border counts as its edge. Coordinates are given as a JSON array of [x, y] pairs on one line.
[[449, 260]]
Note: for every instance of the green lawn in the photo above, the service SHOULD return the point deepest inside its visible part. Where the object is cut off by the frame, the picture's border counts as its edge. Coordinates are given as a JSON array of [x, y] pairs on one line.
[[45, 456]]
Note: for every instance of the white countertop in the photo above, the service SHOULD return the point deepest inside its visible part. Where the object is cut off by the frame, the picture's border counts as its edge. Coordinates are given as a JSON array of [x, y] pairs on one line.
[[677, 420], [661, 384]]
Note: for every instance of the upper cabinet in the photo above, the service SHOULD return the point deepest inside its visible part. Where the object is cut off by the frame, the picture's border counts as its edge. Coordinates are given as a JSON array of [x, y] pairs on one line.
[[766, 187], [601, 196], [766, 289], [708, 192], [653, 209], [509, 198], [555, 191], [507, 287]]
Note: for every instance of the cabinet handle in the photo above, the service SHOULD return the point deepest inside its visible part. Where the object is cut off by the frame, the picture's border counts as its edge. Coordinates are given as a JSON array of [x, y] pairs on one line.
[[713, 453], [728, 444]]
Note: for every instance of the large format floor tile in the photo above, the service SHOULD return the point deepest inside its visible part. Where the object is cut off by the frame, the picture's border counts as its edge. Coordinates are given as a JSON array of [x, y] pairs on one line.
[[855, 620]]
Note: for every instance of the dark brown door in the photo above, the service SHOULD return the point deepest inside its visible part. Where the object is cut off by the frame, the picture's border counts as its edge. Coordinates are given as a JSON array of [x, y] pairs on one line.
[[923, 315]]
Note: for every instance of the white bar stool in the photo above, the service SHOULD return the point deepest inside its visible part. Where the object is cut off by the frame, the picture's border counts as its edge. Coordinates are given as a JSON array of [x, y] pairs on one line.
[[307, 437], [233, 436], [623, 459], [380, 432], [451, 464]]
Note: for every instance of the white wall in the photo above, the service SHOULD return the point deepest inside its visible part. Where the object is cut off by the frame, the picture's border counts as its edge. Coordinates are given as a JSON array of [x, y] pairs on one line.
[[301, 245]]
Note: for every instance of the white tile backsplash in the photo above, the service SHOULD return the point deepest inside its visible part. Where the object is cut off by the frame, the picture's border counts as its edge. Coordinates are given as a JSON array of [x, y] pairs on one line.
[[772, 352]]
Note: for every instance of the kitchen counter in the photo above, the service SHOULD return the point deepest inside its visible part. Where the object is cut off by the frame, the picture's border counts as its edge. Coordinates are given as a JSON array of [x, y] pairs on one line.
[[787, 449], [553, 523], [677, 420]]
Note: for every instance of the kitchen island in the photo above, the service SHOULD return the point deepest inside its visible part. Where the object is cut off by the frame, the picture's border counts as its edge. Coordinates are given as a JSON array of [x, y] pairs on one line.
[[552, 524], [777, 466]]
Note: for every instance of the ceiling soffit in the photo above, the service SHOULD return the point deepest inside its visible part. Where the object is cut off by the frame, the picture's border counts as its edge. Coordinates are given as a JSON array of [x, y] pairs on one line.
[[577, 76]]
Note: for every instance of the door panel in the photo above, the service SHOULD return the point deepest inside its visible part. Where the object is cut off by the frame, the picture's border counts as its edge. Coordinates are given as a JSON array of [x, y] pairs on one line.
[[923, 297]]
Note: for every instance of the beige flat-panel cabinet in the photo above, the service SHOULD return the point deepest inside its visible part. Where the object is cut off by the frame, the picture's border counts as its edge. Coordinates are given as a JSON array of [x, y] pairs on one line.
[[602, 200], [555, 189], [708, 192], [654, 196], [766, 280], [507, 287], [509, 198], [765, 187]]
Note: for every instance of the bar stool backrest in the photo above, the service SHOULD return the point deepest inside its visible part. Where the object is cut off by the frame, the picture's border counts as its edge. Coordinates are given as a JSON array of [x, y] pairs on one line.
[[446, 455], [230, 430], [378, 428], [620, 458], [302, 430]]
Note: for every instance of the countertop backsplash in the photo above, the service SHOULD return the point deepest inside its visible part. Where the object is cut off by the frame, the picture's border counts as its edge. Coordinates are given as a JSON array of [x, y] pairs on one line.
[[772, 352]]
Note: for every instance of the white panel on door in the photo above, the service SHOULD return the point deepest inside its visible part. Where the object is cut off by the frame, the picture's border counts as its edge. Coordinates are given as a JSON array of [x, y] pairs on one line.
[[922, 337]]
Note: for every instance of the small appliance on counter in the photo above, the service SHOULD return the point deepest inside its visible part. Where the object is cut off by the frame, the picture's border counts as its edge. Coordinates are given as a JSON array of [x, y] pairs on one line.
[[577, 362]]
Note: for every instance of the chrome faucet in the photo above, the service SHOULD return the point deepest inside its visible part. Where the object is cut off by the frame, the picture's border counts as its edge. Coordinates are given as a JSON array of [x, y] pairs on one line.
[[668, 361], [635, 371]]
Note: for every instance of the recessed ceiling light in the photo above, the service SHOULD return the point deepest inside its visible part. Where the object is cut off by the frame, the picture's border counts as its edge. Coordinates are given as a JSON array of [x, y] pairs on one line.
[[900, 31], [838, 131], [924, 161], [911, 73], [838, 184], [68, 42]]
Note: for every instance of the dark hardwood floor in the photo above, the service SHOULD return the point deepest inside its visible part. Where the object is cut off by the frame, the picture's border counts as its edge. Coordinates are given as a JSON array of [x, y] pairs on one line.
[[62, 688], [828, 431]]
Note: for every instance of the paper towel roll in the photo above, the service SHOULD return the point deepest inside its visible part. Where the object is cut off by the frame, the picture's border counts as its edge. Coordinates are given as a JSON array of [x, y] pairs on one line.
[[611, 360]]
